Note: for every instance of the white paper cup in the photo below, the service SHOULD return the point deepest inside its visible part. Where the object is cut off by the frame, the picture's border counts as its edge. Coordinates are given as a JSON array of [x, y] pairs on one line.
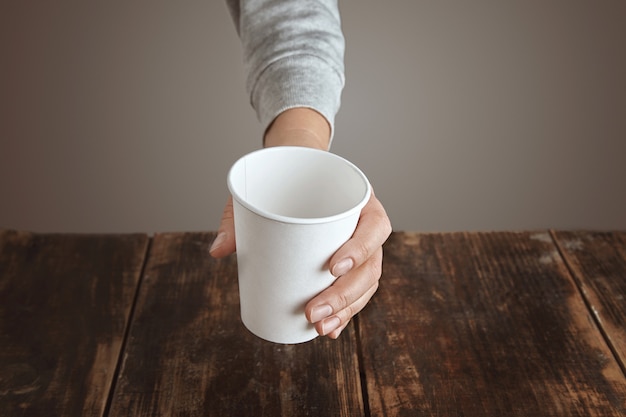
[[293, 207]]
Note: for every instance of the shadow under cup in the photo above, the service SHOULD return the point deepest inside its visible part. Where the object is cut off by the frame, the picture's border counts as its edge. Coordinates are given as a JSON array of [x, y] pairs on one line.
[[293, 207]]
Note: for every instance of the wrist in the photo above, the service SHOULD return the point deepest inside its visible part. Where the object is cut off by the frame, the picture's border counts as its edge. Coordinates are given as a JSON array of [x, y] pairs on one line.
[[299, 127]]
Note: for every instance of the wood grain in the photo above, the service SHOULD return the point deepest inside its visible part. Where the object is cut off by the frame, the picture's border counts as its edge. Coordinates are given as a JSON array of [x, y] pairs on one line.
[[64, 306], [189, 354], [598, 262], [484, 324]]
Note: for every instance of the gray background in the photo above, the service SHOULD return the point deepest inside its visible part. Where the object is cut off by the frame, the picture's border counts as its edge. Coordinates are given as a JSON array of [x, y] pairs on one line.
[[125, 116]]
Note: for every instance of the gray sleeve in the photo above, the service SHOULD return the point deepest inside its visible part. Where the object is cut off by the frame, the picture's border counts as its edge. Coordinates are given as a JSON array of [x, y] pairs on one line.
[[293, 55]]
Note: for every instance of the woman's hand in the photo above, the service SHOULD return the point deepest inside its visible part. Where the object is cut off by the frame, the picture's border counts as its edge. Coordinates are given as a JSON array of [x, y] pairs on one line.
[[357, 264]]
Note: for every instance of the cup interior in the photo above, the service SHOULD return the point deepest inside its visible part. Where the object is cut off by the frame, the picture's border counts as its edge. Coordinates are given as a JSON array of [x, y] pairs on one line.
[[296, 184]]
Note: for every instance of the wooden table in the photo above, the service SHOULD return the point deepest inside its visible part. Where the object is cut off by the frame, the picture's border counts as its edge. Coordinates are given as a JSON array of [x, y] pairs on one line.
[[464, 324]]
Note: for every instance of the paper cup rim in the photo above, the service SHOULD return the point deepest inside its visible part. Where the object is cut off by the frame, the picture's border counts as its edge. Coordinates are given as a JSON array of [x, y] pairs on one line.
[[301, 220]]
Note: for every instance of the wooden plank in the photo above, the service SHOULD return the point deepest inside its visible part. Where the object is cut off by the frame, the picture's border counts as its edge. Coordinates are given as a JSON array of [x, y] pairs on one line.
[[189, 354], [598, 262], [485, 324], [64, 306]]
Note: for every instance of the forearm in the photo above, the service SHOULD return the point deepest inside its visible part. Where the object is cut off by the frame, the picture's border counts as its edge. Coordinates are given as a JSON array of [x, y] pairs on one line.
[[293, 54]]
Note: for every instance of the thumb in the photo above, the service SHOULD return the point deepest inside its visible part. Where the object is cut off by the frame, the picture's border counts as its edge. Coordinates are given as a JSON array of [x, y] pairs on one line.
[[224, 243]]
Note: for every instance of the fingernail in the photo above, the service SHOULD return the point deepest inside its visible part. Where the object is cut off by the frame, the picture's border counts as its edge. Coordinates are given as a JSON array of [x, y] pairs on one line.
[[320, 312], [330, 325], [219, 241], [342, 267]]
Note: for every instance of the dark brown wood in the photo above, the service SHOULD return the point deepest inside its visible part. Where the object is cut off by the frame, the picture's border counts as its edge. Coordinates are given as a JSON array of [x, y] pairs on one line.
[[484, 324], [189, 354], [598, 262], [64, 306]]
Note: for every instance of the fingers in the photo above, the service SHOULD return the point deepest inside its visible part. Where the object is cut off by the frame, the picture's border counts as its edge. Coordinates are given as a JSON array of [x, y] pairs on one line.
[[343, 315], [224, 243], [332, 309], [358, 266], [372, 231]]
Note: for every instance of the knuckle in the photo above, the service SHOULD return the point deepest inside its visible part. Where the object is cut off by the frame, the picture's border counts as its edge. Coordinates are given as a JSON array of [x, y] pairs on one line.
[[385, 223], [228, 215], [346, 314], [362, 251], [350, 311], [343, 301], [388, 226], [375, 268], [377, 271]]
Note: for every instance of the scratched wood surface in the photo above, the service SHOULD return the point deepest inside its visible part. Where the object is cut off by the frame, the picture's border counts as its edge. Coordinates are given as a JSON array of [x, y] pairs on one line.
[[64, 305], [189, 354], [598, 262], [484, 324]]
